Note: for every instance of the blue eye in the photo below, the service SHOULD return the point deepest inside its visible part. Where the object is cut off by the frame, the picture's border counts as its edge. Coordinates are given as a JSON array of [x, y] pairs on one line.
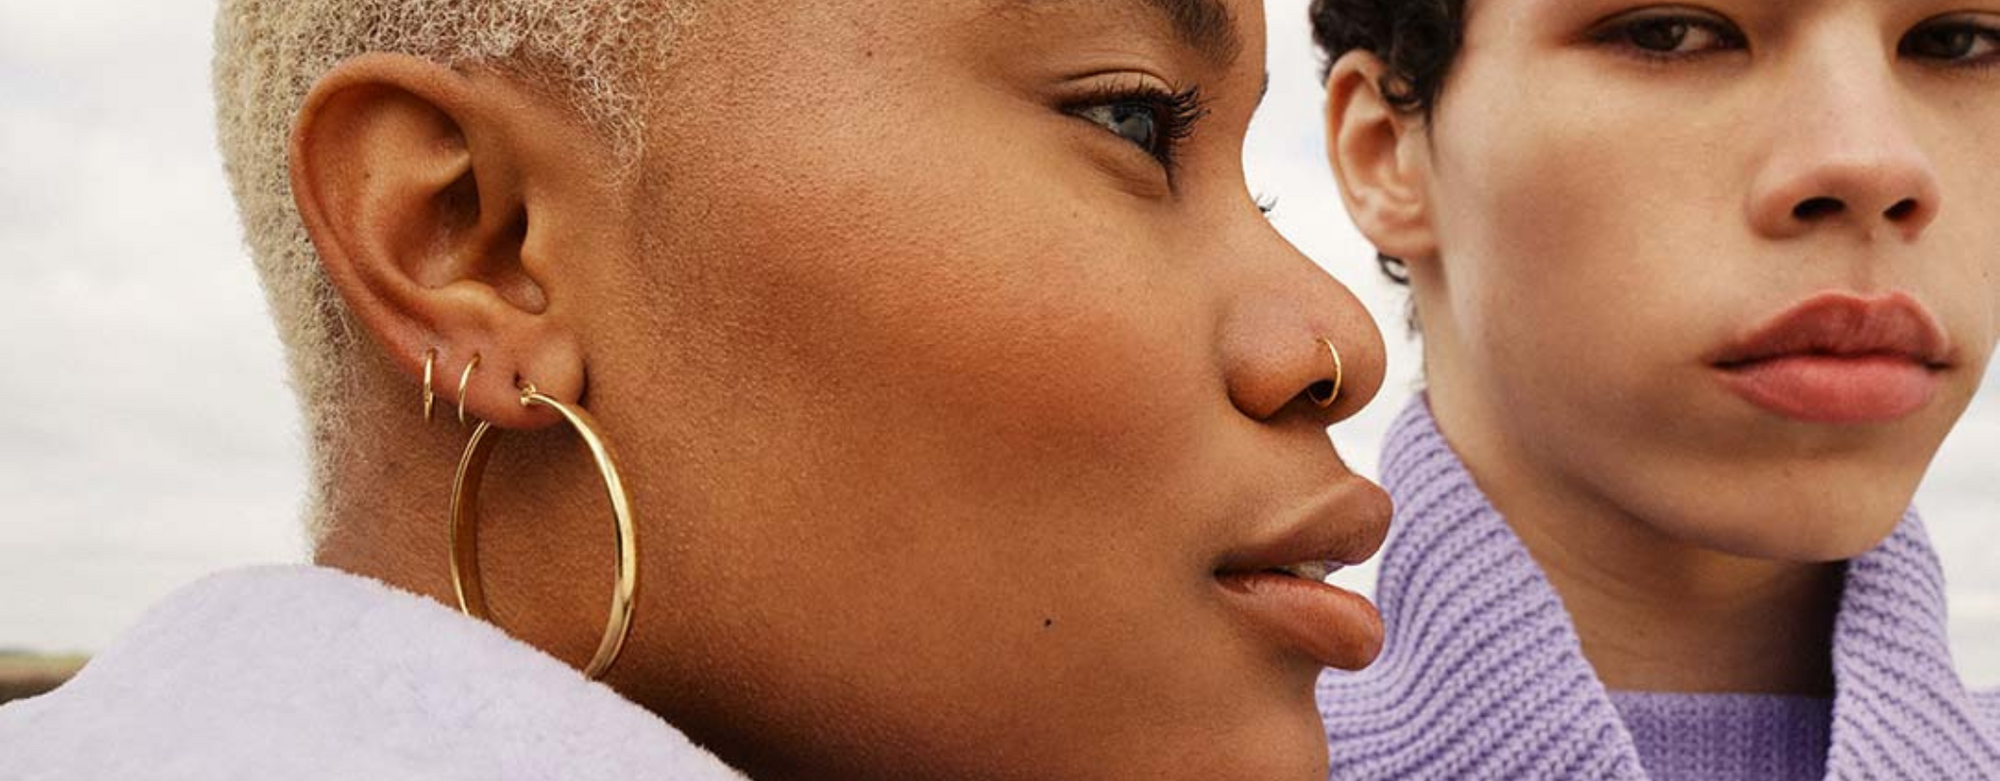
[[1134, 122], [1152, 119]]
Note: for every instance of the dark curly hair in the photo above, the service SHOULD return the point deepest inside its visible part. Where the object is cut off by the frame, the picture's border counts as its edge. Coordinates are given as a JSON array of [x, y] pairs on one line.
[[1417, 39]]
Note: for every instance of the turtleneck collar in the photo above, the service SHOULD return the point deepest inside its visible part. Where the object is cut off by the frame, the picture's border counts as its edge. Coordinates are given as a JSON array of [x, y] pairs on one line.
[[1483, 675]]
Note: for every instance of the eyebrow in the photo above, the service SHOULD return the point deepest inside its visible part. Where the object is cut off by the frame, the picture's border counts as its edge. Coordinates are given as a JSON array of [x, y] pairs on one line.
[[1203, 25]]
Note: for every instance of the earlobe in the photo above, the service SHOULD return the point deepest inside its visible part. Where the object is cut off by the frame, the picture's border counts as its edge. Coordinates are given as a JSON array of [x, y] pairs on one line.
[[1378, 154], [410, 186]]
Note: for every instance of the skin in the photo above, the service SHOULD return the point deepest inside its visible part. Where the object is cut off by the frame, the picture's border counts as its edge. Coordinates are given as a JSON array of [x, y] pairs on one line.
[[1584, 224], [940, 403]]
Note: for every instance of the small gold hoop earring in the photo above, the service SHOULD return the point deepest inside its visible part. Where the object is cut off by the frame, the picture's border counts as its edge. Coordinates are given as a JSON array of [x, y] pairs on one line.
[[1326, 398], [465, 527], [430, 395], [463, 381]]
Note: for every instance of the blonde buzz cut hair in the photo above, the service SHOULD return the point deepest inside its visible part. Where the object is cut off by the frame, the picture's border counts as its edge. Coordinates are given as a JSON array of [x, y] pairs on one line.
[[596, 54]]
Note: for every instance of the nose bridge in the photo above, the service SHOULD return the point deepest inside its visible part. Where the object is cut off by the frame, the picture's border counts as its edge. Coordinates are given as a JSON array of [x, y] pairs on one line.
[[1843, 148]]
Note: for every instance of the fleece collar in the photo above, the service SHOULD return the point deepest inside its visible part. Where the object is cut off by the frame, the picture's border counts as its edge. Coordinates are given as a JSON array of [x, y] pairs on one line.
[[311, 673]]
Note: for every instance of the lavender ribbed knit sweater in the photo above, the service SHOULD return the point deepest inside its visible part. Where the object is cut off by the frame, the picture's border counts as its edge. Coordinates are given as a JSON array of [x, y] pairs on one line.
[[1728, 737], [1483, 676]]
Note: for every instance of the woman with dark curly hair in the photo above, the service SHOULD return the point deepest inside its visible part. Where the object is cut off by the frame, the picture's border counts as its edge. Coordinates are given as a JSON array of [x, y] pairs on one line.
[[1702, 289]]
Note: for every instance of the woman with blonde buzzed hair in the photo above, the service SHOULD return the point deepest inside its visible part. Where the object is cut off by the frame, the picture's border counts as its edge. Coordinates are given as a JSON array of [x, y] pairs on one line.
[[853, 390]]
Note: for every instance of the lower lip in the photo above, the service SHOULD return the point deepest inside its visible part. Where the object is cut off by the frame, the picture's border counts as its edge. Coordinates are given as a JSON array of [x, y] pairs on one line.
[[1836, 389], [1335, 627]]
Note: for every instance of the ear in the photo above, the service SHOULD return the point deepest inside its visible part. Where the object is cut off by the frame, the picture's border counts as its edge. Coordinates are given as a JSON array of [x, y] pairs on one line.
[[426, 192], [1380, 156]]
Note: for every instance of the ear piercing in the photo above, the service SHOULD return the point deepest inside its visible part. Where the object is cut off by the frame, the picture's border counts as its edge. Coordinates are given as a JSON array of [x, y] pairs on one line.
[[430, 396], [463, 380], [430, 392]]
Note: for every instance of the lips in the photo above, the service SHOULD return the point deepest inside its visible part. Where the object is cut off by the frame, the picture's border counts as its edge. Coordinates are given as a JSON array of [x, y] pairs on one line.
[[1271, 584], [1840, 358]]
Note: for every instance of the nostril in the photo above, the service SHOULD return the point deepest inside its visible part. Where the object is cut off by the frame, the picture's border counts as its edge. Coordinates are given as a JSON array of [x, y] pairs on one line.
[[1902, 210], [1815, 208], [1322, 393]]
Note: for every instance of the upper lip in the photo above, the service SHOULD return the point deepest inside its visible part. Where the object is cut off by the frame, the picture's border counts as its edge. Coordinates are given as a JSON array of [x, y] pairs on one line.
[[1344, 524], [1844, 324]]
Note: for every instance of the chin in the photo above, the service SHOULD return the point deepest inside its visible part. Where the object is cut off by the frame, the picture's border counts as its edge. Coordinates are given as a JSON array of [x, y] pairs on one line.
[[1779, 491], [1264, 743], [1252, 733], [1287, 749], [1813, 522]]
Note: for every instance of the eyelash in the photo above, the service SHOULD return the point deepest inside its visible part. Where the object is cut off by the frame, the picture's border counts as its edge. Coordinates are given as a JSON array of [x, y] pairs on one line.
[[1618, 34], [1175, 114], [1990, 34]]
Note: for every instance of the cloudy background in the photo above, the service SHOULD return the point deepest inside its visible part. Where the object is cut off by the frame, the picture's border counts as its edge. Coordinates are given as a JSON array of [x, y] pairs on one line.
[[146, 433]]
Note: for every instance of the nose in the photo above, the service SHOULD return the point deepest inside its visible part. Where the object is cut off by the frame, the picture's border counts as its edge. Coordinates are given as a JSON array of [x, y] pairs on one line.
[[1844, 156], [1298, 343]]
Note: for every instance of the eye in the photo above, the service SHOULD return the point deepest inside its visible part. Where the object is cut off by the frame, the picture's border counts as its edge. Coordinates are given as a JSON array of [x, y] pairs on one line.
[[1956, 41], [1669, 34], [1153, 119], [1138, 123]]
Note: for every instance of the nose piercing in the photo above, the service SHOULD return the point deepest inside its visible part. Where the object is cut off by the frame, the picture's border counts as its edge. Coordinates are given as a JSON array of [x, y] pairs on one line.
[[1324, 393]]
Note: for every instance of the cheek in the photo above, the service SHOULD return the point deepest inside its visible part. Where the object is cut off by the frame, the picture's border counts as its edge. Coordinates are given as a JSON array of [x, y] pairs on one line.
[[1964, 280], [1971, 186], [1576, 244], [986, 305], [973, 290]]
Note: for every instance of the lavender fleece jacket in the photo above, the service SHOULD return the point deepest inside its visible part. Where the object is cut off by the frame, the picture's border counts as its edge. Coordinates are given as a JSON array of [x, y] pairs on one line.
[[307, 673], [1483, 676]]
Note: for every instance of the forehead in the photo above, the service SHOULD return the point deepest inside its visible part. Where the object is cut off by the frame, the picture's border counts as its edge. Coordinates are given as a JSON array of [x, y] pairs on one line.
[[1207, 26]]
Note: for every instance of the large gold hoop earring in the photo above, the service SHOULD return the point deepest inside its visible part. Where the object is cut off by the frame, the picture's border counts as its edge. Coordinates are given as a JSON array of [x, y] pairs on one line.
[[465, 527]]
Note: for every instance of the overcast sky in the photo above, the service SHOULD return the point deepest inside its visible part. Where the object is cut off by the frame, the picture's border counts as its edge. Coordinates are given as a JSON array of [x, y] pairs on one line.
[[147, 435]]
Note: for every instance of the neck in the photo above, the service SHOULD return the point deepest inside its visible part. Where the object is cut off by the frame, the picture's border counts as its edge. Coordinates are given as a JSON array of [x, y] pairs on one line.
[[388, 509], [387, 485], [1655, 612]]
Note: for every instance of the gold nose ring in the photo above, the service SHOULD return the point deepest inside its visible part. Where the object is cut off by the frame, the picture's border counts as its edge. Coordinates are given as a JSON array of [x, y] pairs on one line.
[[1325, 398]]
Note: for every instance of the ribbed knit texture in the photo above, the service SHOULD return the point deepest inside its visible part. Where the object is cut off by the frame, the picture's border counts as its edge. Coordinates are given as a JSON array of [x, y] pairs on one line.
[[1483, 676], [1728, 737]]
